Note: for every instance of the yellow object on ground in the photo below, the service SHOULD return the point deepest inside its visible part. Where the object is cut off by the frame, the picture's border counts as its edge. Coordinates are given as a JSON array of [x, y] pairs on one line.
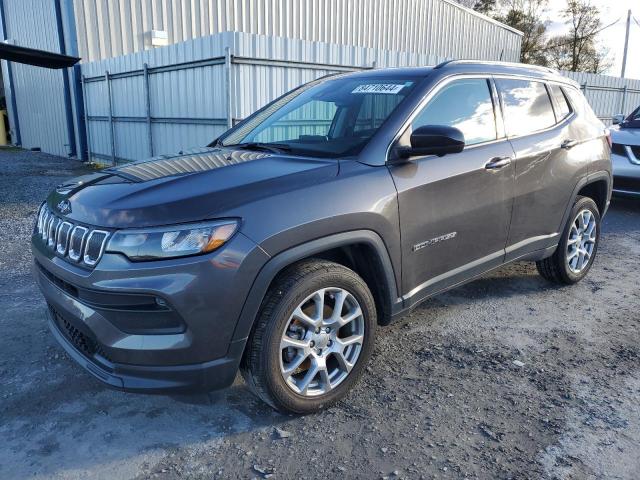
[[3, 130]]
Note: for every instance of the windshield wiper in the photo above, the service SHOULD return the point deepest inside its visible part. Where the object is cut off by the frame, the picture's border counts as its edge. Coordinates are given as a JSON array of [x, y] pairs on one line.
[[269, 147]]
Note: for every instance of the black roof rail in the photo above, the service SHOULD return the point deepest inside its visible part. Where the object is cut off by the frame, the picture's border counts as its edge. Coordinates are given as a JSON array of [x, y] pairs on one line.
[[539, 68], [442, 64]]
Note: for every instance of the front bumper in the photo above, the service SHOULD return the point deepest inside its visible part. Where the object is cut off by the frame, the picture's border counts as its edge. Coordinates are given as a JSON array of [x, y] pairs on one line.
[[118, 343], [626, 174], [206, 376]]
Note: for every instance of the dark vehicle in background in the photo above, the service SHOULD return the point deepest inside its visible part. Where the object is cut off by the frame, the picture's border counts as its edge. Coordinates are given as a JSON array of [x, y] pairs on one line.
[[280, 248], [625, 153]]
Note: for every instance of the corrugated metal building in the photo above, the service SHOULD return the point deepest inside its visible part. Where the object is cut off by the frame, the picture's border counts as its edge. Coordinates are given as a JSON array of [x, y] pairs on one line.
[[441, 27], [40, 102], [608, 95], [46, 108], [186, 94]]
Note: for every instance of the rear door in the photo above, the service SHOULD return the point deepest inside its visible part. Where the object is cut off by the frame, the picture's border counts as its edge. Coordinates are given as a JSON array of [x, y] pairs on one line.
[[455, 209], [546, 161]]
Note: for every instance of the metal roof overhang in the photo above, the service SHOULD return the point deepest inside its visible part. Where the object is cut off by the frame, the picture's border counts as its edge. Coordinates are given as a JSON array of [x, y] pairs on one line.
[[39, 58]]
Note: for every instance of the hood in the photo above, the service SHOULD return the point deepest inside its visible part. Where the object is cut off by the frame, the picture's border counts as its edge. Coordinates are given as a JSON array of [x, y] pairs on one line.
[[625, 136], [192, 186]]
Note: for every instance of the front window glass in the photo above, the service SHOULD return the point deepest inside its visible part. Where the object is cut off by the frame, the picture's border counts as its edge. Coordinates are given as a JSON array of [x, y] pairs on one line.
[[465, 105], [333, 118], [527, 106]]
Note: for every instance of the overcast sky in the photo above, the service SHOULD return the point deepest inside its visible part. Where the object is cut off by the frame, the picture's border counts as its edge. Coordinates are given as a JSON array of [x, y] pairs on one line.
[[612, 37]]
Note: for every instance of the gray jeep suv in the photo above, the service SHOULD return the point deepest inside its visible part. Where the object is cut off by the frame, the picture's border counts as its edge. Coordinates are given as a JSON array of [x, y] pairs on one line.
[[280, 248]]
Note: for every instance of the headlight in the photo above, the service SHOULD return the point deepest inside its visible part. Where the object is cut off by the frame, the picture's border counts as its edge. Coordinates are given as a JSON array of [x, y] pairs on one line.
[[172, 241]]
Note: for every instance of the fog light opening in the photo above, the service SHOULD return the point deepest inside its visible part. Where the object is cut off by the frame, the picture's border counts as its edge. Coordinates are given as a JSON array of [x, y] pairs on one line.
[[162, 303]]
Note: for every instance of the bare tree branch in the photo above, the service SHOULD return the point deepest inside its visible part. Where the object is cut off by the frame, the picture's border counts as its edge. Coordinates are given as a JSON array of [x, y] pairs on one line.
[[578, 50]]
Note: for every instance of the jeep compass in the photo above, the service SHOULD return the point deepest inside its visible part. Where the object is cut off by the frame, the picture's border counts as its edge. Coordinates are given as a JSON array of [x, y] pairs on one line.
[[279, 249]]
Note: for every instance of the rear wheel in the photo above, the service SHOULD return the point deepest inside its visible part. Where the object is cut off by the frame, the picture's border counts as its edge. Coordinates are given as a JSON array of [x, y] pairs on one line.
[[312, 339], [577, 249]]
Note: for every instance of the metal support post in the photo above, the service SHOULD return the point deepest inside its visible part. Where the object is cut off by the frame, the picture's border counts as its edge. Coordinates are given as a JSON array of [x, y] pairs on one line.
[[111, 125], [227, 75], [147, 97], [86, 118]]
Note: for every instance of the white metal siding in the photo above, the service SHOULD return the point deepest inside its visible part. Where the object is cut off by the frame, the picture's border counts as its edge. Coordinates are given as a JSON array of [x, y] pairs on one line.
[[606, 94], [38, 91], [113, 28], [181, 98], [110, 28], [263, 68]]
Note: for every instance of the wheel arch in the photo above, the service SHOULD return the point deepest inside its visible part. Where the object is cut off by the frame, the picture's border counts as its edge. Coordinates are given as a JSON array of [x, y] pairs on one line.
[[363, 251], [597, 184], [597, 190]]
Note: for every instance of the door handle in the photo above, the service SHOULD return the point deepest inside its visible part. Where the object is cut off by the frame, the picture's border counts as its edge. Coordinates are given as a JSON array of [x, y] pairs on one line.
[[497, 162], [568, 144]]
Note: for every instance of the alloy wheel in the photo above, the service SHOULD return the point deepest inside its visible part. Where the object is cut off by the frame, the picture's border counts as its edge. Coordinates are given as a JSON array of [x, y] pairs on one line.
[[321, 341], [582, 241]]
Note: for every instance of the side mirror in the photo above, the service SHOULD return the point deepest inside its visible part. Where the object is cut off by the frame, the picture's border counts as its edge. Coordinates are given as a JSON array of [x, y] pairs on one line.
[[434, 140], [617, 119]]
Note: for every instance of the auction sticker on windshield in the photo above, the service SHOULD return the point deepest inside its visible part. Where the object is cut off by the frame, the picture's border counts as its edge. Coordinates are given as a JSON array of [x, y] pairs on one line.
[[385, 88]]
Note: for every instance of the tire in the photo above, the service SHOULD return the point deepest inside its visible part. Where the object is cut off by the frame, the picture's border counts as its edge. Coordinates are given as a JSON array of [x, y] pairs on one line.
[[557, 267], [265, 360]]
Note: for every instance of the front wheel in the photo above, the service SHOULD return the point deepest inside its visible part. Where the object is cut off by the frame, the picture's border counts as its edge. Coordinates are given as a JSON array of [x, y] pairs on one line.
[[312, 339], [578, 246]]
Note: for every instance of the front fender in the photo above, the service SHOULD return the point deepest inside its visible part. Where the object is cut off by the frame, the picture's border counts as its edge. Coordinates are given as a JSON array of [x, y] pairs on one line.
[[273, 266]]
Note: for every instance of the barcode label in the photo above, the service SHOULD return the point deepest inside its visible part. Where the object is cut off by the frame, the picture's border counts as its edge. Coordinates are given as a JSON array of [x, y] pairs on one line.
[[384, 88]]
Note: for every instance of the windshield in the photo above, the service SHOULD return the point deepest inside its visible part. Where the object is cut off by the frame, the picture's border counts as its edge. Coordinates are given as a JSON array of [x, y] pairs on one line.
[[330, 118], [633, 120]]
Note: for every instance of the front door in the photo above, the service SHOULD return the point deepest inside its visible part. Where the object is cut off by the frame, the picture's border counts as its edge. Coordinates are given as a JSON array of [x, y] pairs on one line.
[[455, 209]]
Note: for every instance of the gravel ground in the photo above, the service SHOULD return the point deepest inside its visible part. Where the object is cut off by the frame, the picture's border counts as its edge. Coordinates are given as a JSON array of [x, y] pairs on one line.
[[506, 377]]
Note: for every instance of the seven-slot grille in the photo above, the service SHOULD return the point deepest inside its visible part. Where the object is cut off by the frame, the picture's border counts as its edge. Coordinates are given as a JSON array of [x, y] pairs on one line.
[[75, 242]]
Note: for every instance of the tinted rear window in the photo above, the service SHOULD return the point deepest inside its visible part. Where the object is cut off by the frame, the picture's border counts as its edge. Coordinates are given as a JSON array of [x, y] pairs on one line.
[[527, 106], [562, 107]]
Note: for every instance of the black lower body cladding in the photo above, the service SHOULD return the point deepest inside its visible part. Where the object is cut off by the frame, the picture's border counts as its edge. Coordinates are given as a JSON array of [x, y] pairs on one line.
[[327, 369], [90, 354]]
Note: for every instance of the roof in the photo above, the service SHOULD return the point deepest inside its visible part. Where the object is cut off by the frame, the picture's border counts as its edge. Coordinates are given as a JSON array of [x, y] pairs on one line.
[[396, 71], [473, 66], [512, 68]]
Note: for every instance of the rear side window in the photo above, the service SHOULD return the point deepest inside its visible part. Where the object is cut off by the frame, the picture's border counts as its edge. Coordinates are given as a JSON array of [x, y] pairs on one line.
[[463, 104], [560, 101], [527, 106], [577, 100]]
